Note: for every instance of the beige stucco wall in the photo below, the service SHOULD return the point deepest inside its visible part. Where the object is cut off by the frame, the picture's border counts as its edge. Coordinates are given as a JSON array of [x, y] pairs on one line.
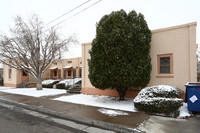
[[181, 42], [85, 56], [178, 40], [15, 80]]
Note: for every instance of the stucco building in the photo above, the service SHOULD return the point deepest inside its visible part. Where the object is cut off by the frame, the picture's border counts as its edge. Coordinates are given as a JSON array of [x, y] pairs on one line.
[[173, 59], [66, 69], [62, 69]]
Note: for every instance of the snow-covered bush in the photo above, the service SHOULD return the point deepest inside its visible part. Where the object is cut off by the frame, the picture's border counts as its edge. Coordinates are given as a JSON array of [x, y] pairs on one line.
[[159, 99], [49, 83], [61, 84], [72, 82], [66, 84]]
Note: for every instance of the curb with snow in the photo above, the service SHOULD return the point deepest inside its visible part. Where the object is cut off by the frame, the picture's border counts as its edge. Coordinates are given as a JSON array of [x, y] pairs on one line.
[[100, 124]]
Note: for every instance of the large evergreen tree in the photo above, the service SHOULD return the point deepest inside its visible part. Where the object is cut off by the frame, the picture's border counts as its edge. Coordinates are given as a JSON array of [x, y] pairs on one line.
[[120, 52]]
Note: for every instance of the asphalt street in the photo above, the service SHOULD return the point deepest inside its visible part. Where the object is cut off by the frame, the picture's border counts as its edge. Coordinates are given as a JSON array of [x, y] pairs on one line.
[[13, 121], [18, 120]]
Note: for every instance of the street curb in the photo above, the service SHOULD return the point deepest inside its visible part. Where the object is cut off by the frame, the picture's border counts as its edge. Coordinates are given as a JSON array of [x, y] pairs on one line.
[[100, 124]]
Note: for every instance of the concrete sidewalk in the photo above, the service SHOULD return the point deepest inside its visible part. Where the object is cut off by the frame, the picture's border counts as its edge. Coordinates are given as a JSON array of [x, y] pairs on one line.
[[79, 113], [135, 122]]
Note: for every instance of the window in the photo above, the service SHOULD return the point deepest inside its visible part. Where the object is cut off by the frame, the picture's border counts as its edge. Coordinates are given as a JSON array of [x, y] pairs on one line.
[[74, 73], [80, 74], [165, 65], [24, 73], [69, 73], [55, 73], [65, 73], [10, 73]]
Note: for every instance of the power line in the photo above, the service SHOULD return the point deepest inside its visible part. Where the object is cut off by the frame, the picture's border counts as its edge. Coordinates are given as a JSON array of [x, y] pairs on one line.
[[68, 12], [74, 14]]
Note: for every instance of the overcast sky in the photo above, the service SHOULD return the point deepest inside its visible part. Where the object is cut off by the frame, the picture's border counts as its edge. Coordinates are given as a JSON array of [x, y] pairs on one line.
[[158, 14]]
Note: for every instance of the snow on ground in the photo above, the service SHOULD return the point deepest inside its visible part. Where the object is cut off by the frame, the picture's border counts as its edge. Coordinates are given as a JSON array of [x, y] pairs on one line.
[[111, 103], [5, 88], [99, 101], [112, 112], [33, 92], [92, 100], [184, 111]]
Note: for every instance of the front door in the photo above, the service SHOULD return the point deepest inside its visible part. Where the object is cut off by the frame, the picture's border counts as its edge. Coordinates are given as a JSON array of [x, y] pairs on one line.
[[24, 76]]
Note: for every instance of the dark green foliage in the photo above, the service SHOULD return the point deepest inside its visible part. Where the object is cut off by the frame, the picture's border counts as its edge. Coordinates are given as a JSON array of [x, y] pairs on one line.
[[120, 52], [165, 106], [50, 85], [159, 99], [67, 87]]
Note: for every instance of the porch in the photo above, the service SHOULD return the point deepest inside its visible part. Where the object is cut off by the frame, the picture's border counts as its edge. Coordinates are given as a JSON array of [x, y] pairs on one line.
[[67, 72]]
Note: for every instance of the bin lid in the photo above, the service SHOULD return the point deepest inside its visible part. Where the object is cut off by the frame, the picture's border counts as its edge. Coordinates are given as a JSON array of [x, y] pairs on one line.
[[193, 84]]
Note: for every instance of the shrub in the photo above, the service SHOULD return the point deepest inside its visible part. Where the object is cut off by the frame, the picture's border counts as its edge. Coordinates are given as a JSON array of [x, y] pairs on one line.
[[60, 86], [49, 83], [159, 99], [120, 53], [72, 82]]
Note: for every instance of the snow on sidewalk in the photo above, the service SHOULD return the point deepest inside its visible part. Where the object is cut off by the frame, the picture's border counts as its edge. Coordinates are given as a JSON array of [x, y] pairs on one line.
[[111, 103], [184, 111], [92, 100], [99, 101], [112, 112], [33, 92]]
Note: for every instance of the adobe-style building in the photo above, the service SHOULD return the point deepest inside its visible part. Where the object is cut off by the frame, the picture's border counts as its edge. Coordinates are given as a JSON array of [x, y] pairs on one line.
[[66, 69], [62, 69], [173, 59]]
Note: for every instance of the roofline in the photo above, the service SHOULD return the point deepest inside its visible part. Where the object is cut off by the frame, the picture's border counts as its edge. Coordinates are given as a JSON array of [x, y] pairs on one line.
[[175, 27], [161, 29], [88, 43], [72, 58]]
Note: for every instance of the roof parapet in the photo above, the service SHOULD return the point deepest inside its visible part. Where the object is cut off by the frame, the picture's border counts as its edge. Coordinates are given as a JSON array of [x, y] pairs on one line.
[[175, 27]]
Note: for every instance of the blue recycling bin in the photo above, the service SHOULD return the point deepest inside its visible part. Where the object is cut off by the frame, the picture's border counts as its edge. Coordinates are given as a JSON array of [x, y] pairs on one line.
[[193, 96]]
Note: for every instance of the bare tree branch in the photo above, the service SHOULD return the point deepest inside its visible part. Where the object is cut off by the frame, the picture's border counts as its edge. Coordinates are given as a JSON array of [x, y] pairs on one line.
[[30, 49]]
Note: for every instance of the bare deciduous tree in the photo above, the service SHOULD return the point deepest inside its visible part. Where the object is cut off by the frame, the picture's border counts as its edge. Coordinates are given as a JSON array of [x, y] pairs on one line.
[[31, 49]]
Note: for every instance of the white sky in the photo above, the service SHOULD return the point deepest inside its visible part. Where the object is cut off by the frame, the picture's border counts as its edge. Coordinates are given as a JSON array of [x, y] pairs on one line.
[[158, 14]]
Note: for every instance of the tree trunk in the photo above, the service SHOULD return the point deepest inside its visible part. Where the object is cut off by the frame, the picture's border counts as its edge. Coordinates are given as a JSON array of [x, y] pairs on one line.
[[39, 84], [121, 93]]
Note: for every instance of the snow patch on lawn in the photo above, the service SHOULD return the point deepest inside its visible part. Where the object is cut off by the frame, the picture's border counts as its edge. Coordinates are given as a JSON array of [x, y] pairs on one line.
[[100, 101], [184, 111], [5, 88], [112, 112], [111, 103], [33, 92]]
